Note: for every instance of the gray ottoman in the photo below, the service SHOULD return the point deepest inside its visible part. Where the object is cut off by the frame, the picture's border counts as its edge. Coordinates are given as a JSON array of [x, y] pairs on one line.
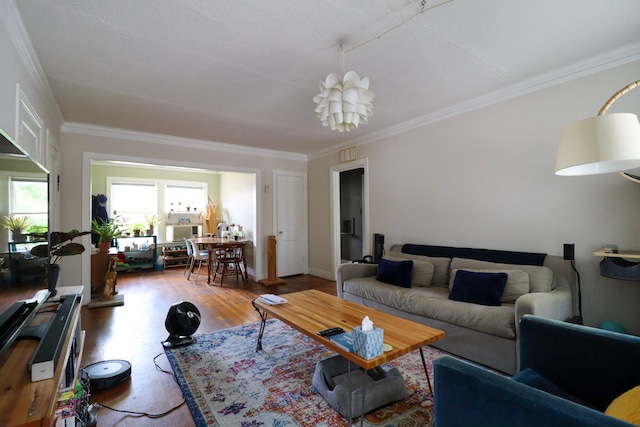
[[382, 387]]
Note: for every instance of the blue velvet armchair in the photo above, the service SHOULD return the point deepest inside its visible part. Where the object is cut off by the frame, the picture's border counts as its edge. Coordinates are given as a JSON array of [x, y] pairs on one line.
[[589, 367]]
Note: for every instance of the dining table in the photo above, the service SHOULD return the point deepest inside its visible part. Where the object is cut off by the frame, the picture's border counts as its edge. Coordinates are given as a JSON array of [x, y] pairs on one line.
[[214, 243]]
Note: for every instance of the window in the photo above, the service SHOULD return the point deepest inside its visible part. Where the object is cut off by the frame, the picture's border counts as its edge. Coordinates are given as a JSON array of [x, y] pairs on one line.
[[29, 196], [133, 200], [182, 197]]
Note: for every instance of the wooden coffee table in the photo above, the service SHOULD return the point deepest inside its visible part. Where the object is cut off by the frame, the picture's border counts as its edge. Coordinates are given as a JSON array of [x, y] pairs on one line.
[[312, 311]]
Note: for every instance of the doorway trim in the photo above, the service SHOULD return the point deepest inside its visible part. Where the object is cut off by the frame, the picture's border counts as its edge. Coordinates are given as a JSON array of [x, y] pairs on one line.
[[87, 161], [335, 208]]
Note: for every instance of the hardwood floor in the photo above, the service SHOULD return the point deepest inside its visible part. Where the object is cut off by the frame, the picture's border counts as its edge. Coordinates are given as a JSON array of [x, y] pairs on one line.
[[134, 331]]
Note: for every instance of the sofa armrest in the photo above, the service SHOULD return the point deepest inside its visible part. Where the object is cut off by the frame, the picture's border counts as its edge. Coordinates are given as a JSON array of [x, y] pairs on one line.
[[592, 364], [468, 395], [351, 271], [556, 304]]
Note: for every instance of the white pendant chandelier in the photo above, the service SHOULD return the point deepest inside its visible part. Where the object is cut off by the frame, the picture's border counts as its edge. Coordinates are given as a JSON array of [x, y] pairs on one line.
[[344, 102]]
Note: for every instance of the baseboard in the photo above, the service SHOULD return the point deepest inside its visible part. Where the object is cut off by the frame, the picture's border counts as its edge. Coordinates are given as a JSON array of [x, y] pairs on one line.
[[321, 273], [96, 302]]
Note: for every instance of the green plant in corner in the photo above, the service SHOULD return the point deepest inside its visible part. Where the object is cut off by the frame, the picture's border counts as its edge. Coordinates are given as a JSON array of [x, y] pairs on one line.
[[109, 230], [17, 224], [152, 221], [137, 228], [38, 231]]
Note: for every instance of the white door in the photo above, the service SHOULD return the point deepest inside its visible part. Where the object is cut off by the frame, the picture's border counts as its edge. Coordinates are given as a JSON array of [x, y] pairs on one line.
[[291, 220]]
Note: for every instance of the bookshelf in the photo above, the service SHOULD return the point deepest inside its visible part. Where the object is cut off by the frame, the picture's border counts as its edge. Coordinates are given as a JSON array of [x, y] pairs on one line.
[[175, 256]]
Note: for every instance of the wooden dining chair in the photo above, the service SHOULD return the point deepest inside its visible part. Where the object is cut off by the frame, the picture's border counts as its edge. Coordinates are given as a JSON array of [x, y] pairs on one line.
[[229, 262], [239, 260]]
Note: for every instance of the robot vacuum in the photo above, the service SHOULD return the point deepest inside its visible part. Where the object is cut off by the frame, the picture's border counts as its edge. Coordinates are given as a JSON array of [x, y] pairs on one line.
[[107, 373]]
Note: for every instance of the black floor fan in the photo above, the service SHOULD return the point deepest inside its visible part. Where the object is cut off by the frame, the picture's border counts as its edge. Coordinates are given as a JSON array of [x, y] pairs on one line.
[[182, 321]]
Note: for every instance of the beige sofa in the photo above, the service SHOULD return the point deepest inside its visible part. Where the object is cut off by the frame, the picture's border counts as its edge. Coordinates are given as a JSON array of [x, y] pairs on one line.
[[537, 284]]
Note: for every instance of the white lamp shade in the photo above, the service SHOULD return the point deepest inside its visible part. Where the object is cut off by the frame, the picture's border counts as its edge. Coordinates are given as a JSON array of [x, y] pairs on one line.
[[344, 103], [601, 144]]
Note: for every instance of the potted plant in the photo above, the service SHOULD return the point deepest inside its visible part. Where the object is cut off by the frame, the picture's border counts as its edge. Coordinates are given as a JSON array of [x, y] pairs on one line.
[[60, 245], [137, 228], [18, 225], [37, 232], [152, 221], [107, 231]]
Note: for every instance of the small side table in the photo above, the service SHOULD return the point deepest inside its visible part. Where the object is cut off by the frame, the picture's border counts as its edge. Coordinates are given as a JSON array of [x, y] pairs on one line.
[[616, 265], [99, 264]]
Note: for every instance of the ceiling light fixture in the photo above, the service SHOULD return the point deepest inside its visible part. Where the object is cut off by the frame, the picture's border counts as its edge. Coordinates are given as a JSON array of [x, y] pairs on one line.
[[345, 102], [601, 144]]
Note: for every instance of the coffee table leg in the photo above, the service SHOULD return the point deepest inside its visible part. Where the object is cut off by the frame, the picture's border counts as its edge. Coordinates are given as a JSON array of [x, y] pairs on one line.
[[349, 388], [263, 322], [364, 386], [424, 363], [364, 390]]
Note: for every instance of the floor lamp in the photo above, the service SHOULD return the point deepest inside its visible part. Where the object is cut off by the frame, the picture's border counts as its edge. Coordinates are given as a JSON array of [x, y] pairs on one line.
[[601, 144]]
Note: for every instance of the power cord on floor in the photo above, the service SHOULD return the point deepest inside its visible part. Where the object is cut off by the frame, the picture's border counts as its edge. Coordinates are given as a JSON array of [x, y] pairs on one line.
[[146, 414]]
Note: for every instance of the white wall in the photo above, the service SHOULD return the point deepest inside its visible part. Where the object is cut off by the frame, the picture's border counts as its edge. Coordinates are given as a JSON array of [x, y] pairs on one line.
[[486, 179], [237, 206], [20, 69], [16, 71]]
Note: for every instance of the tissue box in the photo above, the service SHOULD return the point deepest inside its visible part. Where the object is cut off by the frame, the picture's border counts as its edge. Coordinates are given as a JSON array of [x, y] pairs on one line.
[[367, 344]]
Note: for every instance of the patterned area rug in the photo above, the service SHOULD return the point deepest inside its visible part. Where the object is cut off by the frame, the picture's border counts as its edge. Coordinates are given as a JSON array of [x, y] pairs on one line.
[[227, 383]]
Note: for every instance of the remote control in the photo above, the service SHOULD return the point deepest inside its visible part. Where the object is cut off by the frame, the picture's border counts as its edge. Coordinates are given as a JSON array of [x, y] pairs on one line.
[[330, 332]]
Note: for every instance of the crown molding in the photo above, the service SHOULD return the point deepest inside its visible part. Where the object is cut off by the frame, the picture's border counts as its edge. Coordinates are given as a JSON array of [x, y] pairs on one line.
[[12, 21], [174, 141], [612, 59]]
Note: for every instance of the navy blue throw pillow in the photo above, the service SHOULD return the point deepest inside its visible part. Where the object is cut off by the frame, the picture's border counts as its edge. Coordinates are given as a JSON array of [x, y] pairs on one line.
[[478, 287], [533, 379], [396, 273]]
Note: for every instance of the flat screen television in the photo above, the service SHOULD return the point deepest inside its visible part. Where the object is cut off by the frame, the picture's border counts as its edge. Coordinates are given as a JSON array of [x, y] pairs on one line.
[[15, 163]]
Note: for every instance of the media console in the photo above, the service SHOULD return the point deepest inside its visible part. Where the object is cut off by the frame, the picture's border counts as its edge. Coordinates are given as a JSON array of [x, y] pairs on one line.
[[15, 319], [55, 357]]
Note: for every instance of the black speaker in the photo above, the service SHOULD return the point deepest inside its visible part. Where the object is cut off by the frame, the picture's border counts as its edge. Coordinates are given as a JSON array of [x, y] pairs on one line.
[[569, 249], [378, 247]]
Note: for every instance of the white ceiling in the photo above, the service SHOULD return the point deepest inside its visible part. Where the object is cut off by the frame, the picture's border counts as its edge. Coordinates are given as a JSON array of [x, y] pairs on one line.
[[244, 72]]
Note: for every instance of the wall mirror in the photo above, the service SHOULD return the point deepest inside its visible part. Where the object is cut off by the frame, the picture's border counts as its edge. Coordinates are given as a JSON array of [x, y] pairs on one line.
[[24, 191]]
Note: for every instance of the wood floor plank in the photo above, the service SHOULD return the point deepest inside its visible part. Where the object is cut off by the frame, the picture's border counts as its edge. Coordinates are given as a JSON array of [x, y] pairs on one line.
[[134, 332]]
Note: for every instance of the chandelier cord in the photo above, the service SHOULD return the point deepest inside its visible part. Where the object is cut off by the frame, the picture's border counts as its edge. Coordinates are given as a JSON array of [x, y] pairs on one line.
[[422, 10]]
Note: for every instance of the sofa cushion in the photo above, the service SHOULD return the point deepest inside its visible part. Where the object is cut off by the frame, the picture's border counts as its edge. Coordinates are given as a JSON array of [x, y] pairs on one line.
[[396, 273], [540, 277], [434, 303], [440, 266], [478, 287], [422, 273], [517, 282], [533, 379], [626, 407]]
